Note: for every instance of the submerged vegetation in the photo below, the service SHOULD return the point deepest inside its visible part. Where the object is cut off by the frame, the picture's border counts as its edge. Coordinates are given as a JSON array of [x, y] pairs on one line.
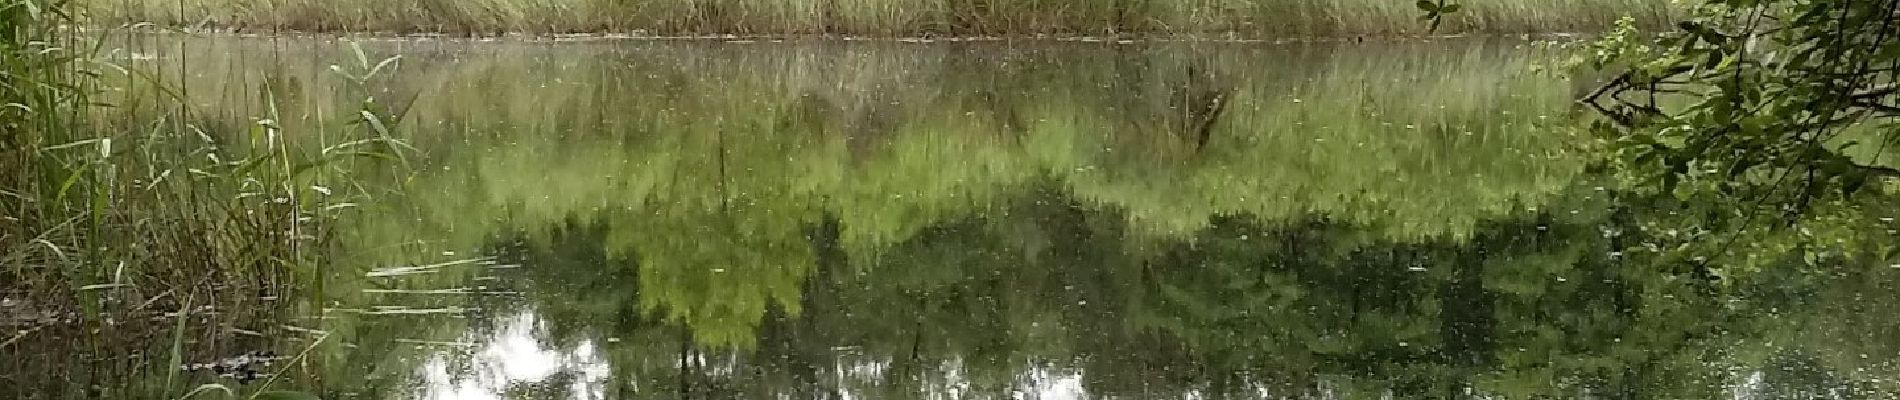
[[1221, 18]]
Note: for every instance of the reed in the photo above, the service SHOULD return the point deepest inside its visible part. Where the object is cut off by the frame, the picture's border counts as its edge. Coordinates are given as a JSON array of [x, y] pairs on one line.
[[116, 209], [1237, 18]]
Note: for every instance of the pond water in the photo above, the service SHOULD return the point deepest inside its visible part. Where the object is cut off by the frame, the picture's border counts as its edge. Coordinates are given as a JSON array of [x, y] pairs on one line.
[[988, 220]]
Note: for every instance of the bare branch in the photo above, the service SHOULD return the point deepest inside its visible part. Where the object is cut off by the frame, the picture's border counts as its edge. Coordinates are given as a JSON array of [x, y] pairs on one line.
[[1876, 91]]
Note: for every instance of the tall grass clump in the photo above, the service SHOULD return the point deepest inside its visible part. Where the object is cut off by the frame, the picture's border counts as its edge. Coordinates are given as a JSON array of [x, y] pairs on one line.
[[123, 216], [41, 99], [1231, 18]]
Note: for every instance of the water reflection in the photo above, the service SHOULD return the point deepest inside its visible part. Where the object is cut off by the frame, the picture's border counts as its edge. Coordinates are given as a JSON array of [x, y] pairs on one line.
[[1243, 311], [512, 363], [867, 221]]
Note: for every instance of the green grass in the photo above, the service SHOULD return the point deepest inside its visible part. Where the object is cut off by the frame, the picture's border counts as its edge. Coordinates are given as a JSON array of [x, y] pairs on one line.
[[1221, 18], [117, 209]]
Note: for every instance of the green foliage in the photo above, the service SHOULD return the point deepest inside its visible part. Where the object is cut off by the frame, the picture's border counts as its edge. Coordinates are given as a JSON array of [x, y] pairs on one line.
[[1762, 110]]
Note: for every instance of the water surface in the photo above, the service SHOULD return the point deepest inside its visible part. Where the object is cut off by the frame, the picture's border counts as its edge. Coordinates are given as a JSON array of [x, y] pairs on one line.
[[998, 220]]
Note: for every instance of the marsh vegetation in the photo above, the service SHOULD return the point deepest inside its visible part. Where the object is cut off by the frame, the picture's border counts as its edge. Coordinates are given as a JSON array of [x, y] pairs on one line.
[[228, 216]]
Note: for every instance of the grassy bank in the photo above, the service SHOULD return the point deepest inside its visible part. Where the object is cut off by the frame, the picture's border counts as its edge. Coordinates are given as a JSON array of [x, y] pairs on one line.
[[1244, 18]]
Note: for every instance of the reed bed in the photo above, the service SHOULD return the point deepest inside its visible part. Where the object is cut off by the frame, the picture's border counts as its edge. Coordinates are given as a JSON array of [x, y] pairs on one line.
[[1231, 18], [119, 202], [138, 227]]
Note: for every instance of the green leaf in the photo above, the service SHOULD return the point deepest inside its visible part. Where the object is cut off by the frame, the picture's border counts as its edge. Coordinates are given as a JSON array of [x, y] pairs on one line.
[[1427, 6], [362, 59], [1450, 8], [284, 395], [178, 350], [379, 66], [70, 145], [248, 165]]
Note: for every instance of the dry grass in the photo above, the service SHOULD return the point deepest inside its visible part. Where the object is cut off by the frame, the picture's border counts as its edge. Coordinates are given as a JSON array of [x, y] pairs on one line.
[[1244, 18]]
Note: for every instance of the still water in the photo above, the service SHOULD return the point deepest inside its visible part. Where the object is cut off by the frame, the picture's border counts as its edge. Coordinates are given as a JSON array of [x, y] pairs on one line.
[[995, 220]]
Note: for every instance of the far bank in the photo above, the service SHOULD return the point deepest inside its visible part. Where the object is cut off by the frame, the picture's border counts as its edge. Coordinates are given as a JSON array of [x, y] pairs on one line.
[[1230, 18]]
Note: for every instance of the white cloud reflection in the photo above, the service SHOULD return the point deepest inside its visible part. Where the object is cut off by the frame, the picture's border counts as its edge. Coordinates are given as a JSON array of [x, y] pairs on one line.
[[510, 357]]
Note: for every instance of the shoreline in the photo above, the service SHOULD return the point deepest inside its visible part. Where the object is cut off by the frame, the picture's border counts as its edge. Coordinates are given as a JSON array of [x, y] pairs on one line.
[[1202, 20], [527, 37]]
